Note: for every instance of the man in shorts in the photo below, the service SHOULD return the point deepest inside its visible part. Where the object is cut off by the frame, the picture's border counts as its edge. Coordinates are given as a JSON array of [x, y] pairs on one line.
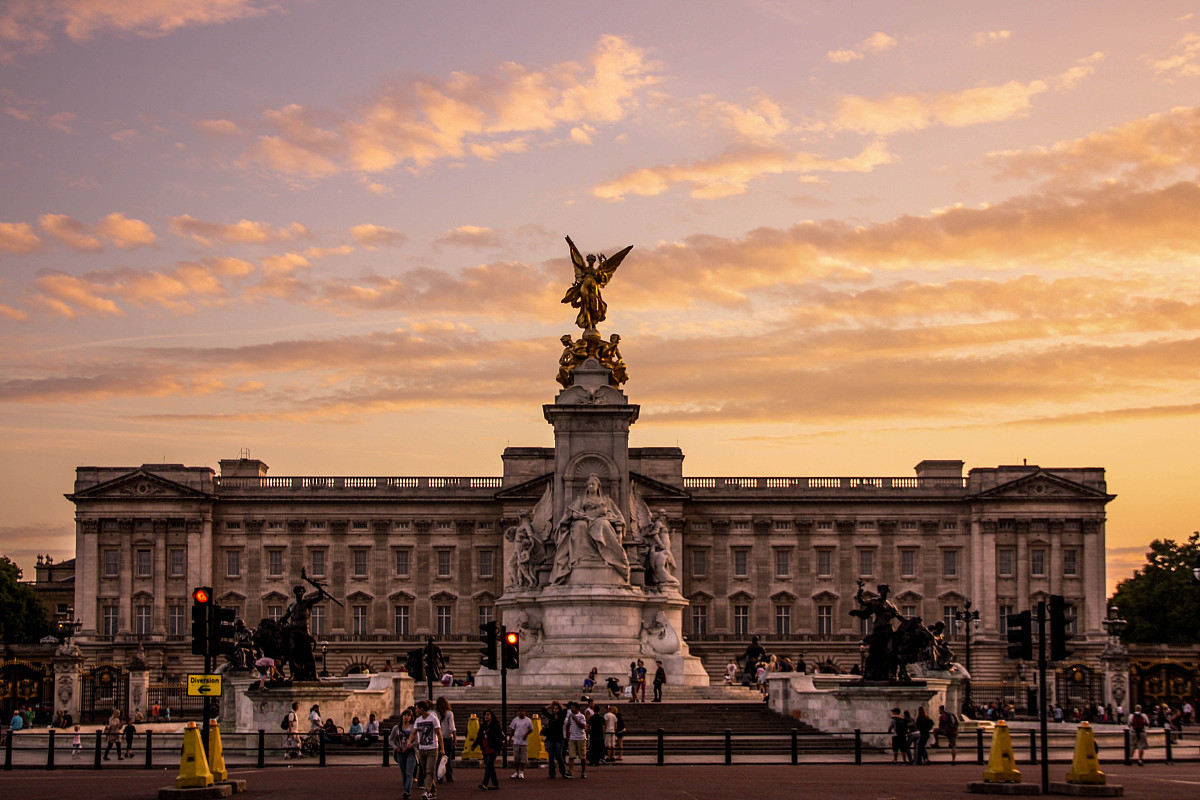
[[610, 733], [520, 728], [1138, 723], [575, 732]]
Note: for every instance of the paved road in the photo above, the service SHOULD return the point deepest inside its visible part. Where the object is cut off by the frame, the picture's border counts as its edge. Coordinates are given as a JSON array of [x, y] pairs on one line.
[[747, 782]]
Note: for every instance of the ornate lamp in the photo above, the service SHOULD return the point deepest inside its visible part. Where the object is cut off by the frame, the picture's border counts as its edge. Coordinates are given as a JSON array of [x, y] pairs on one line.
[[1114, 625]]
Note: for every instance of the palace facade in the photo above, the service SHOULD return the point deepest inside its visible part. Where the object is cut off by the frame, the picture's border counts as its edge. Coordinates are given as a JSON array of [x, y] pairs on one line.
[[776, 557]]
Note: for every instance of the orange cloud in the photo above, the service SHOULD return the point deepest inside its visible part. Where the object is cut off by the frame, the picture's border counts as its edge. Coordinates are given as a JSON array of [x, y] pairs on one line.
[[470, 236], [124, 232], [29, 26], [375, 236], [988, 37], [430, 120], [1183, 61], [241, 232], [18, 237], [70, 232], [877, 42], [980, 104]]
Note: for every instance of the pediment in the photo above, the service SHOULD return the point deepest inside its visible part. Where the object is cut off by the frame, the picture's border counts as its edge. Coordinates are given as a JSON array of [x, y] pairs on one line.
[[783, 597], [530, 489], [359, 596], [825, 596], [483, 597], [700, 596], [1042, 485], [908, 597], [741, 596], [270, 597], [657, 489], [444, 597], [139, 485]]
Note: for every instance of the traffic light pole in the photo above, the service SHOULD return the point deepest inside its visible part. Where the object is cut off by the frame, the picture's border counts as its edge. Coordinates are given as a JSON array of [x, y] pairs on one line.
[[504, 696], [208, 659], [1042, 696]]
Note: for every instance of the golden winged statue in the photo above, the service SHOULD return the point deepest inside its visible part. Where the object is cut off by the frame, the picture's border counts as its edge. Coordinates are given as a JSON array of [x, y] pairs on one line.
[[591, 276]]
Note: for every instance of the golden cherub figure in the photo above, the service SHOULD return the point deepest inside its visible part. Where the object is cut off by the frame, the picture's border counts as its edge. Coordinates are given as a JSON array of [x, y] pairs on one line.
[[591, 276]]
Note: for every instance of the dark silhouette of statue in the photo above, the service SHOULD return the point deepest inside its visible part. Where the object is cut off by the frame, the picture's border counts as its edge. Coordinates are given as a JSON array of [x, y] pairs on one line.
[[882, 660]]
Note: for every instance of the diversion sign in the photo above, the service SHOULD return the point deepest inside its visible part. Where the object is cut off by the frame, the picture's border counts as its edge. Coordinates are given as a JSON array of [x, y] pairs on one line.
[[202, 685]]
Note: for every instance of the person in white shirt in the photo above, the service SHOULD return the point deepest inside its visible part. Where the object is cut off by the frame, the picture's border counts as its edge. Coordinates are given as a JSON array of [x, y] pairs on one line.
[[1138, 723], [427, 736], [519, 729], [610, 732], [575, 732]]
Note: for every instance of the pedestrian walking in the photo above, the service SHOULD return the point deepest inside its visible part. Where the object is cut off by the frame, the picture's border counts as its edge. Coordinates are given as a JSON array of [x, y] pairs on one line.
[[129, 731], [620, 733], [76, 744], [1138, 723], [519, 730], [445, 717], [489, 739], [427, 736], [660, 678], [641, 680], [898, 727], [924, 725], [575, 732], [402, 749], [610, 733], [553, 734], [948, 725], [112, 735], [633, 681]]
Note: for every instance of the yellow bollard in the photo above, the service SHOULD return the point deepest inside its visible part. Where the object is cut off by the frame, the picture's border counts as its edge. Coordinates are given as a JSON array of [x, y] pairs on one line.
[[469, 754], [1085, 767], [193, 766], [1001, 766], [216, 759], [537, 749]]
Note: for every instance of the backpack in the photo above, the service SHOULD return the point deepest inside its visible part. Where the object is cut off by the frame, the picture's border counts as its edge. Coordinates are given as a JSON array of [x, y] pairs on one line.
[[1138, 723], [952, 722], [283, 726]]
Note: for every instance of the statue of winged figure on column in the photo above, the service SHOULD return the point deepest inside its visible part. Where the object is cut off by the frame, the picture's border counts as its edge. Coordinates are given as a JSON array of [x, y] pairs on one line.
[[591, 275]]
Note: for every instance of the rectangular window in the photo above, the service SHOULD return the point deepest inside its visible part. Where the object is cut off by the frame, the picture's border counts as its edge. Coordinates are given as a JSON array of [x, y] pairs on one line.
[[176, 562], [402, 620], [487, 613], [175, 620], [783, 563], [443, 563], [403, 563], [445, 525], [699, 526], [275, 525], [949, 620], [318, 561], [1005, 610], [741, 525], [741, 620], [233, 563], [112, 563], [403, 525], [317, 525], [230, 525], [865, 626], [908, 611], [825, 562], [316, 621], [1004, 561], [866, 525], [825, 525], [61, 609], [141, 620], [1037, 562], [783, 620], [824, 620], [908, 563], [1070, 562], [741, 563], [782, 525], [1072, 614], [699, 563], [866, 562], [358, 619], [699, 620], [359, 559], [908, 525], [109, 619], [359, 525], [275, 563], [144, 563], [487, 564], [950, 525], [443, 621], [275, 613], [949, 563]]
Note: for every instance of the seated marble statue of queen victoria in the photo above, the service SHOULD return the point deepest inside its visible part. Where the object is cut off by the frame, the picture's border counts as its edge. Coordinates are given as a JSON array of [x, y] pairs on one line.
[[591, 529]]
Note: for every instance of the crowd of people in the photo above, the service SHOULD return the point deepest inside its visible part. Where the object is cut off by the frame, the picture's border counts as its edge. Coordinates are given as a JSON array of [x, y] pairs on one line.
[[911, 735]]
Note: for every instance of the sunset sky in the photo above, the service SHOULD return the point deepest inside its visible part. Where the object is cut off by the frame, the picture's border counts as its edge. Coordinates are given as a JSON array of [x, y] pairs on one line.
[[865, 234]]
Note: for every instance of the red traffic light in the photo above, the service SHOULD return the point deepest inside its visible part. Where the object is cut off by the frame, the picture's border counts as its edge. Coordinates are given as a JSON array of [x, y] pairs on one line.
[[511, 638], [201, 595]]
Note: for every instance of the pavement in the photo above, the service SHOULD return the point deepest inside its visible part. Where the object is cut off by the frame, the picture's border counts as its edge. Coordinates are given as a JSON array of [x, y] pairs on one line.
[[697, 782]]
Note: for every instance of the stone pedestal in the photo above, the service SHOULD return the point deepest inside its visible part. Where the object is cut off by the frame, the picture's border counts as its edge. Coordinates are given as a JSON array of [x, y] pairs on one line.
[[68, 680], [246, 709], [853, 705]]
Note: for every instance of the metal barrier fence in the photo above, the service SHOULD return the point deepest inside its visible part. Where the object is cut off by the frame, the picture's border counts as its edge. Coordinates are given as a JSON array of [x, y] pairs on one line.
[[55, 749]]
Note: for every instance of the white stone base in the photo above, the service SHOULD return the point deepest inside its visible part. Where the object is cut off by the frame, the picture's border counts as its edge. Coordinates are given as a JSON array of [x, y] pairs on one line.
[[570, 632]]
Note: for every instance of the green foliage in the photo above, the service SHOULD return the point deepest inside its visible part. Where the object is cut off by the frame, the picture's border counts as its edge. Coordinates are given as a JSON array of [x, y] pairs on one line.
[[1160, 602], [23, 618]]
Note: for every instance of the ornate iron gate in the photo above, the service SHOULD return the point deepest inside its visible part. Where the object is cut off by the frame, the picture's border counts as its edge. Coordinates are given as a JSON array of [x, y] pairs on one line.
[[1164, 682], [25, 684], [105, 687]]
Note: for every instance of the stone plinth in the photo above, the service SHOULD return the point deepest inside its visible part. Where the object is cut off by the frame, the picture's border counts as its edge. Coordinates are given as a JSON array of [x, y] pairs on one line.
[[245, 709], [853, 705], [565, 632]]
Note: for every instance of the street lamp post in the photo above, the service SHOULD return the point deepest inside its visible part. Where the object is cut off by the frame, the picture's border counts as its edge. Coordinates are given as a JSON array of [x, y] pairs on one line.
[[324, 650], [968, 616]]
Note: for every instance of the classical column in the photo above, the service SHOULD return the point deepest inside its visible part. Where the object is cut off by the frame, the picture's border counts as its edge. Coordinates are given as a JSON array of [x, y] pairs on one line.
[[68, 678], [1092, 562], [87, 571], [1022, 567], [125, 604], [158, 613], [1056, 557]]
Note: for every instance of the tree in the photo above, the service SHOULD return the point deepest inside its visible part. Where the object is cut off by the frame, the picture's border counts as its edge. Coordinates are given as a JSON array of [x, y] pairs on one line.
[[1161, 602], [23, 618]]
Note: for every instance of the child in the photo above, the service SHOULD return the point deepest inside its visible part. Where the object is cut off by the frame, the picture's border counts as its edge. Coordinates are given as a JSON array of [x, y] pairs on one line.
[[76, 744]]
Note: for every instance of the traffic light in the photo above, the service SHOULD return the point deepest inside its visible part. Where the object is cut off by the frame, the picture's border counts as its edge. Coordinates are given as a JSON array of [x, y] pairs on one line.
[[1059, 620], [223, 636], [1020, 636], [511, 647], [487, 653], [414, 664], [201, 614]]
